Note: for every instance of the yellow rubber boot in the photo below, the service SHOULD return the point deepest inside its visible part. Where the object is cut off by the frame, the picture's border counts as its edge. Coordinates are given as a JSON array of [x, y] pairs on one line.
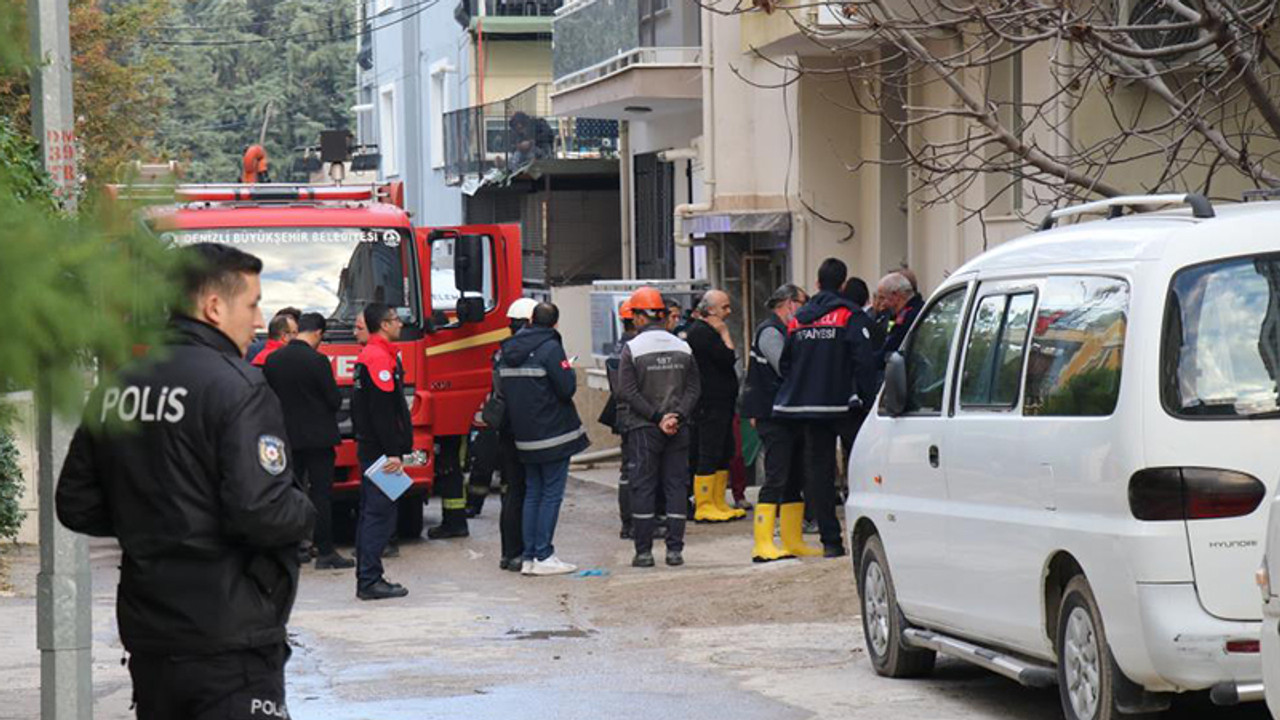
[[765, 550], [717, 494], [792, 529], [705, 506]]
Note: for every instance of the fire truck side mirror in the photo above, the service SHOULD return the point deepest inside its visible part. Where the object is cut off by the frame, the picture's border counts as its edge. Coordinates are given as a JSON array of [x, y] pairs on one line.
[[468, 264]]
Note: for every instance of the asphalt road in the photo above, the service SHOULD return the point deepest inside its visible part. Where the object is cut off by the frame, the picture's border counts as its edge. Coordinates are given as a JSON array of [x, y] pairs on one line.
[[718, 638]]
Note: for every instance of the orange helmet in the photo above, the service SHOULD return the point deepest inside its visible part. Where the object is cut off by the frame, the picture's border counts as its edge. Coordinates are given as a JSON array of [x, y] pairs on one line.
[[624, 310], [647, 298]]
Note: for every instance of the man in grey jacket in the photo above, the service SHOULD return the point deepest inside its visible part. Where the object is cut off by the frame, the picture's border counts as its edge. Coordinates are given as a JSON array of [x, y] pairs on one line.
[[658, 388]]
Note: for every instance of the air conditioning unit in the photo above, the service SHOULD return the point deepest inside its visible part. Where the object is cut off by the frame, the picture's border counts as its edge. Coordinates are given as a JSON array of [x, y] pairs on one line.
[[1158, 24]]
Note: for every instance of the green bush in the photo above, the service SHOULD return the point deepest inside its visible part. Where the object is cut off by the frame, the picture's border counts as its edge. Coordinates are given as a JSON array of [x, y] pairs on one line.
[[11, 484]]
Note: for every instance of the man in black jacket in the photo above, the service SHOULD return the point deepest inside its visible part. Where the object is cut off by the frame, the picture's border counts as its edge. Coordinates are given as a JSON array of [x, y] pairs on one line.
[[828, 379], [901, 304], [182, 457], [303, 380], [713, 349], [383, 427]]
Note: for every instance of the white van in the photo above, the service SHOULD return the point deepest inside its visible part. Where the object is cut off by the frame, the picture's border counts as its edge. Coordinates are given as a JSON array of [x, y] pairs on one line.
[[1063, 480]]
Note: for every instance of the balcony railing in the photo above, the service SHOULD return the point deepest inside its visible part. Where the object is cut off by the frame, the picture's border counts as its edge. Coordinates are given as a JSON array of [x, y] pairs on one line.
[[506, 136], [596, 38]]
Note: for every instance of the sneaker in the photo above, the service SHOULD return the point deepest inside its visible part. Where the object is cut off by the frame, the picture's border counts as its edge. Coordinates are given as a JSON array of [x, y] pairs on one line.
[[381, 590], [642, 560], [552, 566], [334, 561], [674, 558], [526, 567]]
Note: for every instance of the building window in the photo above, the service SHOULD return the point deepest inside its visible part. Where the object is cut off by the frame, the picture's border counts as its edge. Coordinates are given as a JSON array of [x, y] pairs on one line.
[[387, 129], [1004, 90], [438, 105]]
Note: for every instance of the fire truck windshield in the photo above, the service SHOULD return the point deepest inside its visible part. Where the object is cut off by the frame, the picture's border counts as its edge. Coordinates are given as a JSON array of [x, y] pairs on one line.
[[332, 271]]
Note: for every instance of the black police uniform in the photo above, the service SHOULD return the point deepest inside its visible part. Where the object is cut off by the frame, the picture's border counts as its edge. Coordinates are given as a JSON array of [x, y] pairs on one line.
[[383, 427], [184, 461]]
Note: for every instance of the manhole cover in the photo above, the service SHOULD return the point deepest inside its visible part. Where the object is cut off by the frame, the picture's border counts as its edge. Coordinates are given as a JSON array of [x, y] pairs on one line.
[[782, 658]]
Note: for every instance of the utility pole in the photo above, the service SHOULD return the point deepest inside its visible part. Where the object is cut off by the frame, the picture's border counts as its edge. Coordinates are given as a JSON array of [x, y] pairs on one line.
[[64, 587]]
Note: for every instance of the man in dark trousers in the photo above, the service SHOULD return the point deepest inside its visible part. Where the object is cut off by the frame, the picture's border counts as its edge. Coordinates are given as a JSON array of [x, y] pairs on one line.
[[539, 383], [828, 378], [383, 427], [511, 519], [712, 346], [658, 389], [182, 457], [282, 328], [783, 472], [609, 417], [303, 380]]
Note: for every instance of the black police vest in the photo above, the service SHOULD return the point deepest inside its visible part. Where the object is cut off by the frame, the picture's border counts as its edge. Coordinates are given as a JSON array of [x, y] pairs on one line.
[[762, 382]]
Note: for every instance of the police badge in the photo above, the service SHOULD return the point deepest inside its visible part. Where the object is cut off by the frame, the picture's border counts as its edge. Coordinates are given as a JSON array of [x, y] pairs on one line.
[[271, 454]]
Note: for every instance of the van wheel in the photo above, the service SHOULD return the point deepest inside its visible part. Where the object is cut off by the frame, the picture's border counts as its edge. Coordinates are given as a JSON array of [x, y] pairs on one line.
[[882, 621], [1086, 677]]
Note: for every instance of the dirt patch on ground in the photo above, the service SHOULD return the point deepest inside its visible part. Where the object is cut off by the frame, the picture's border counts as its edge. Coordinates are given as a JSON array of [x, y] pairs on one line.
[[785, 592]]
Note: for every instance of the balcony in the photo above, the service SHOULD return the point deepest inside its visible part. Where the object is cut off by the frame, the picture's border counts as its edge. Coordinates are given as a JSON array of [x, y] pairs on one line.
[[806, 28], [500, 140], [507, 17], [626, 59]]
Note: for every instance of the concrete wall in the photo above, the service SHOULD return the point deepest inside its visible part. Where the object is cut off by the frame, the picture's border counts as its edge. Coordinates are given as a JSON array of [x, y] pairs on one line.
[[510, 66]]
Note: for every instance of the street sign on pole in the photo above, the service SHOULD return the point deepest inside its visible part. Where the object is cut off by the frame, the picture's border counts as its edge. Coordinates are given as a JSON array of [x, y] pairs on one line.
[[64, 588]]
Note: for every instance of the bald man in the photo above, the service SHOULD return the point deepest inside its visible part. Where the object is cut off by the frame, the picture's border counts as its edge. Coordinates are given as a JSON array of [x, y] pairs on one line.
[[717, 360]]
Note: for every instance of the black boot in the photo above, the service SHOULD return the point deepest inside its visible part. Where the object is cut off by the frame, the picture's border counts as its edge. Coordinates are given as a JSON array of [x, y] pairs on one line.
[[381, 590]]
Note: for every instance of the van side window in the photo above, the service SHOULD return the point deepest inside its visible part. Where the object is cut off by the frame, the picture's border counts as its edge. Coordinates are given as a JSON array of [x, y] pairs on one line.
[[927, 356], [1077, 350], [993, 357]]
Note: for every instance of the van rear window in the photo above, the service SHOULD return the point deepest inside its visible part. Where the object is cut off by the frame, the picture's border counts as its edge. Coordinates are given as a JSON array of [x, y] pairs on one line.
[[1220, 356], [1077, 349]]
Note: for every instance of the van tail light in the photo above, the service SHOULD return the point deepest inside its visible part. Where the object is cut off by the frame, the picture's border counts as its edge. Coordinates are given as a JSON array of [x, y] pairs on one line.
[[1245, 647], [1193, 494]]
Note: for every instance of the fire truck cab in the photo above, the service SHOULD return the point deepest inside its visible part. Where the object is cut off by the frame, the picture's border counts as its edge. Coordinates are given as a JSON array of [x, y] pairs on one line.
[[333, 249]]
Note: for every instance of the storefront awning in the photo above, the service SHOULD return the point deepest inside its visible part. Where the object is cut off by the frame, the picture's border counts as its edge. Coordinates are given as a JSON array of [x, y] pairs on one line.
[[743, 222]]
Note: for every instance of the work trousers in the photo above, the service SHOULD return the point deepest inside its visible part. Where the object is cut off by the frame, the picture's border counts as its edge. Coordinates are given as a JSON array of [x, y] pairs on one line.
[[314, 470], [819, 442], [544, 492], [624, 485], [715, 440], [783, 462], [450, 486], [661, 460], [511, 521], [226, 686], [482, 456], [374, 529]]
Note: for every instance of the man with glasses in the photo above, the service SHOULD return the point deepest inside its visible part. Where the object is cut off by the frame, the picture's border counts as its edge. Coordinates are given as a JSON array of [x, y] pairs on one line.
[[383, 427]]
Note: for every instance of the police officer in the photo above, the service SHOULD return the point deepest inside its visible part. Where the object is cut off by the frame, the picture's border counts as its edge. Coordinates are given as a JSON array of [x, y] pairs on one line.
[[182, 458], [828, 378], [783, 473], [383, 427]]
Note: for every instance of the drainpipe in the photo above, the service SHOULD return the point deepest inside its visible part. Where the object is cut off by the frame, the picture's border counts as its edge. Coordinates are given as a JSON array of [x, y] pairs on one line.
[[708, 144], [625, 191]]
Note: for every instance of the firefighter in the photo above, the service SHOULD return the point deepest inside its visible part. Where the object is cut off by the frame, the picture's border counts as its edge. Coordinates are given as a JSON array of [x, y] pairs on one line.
[[828, 370], [383, 427], [658, 389], [511, 520], [183, 459], [451, 489], [783, 477]]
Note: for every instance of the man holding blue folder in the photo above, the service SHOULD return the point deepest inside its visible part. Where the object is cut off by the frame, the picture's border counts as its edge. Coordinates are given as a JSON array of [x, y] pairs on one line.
[[383, 428]]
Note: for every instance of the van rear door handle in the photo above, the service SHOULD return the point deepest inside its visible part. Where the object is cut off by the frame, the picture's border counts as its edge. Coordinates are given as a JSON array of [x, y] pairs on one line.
[[933, 455]]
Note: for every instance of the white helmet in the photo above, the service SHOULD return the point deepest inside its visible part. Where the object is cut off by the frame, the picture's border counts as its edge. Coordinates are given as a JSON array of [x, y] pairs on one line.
[[522, 309]]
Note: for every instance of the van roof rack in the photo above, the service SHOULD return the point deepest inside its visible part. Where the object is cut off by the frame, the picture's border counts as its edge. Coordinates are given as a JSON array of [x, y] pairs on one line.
[[1260, 194], [1200, 206]]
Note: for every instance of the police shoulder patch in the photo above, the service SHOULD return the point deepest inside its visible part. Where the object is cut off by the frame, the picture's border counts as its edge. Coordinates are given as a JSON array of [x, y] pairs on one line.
[[385, 376], [272, 455]]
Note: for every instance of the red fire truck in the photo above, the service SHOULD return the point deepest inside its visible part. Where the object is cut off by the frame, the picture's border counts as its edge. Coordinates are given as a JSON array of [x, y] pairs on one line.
[[332, 249]]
